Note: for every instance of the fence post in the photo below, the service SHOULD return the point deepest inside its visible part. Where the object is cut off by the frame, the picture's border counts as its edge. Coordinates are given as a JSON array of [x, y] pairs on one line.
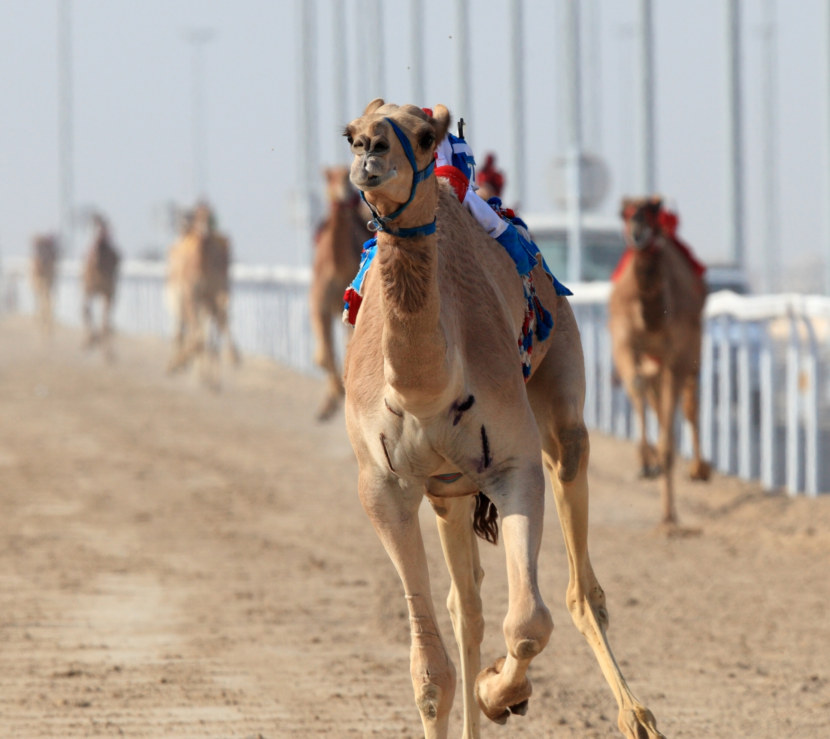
[[767, 388], [812, 430], [793, 376], [706, 380], [724, 397], [745, 429]]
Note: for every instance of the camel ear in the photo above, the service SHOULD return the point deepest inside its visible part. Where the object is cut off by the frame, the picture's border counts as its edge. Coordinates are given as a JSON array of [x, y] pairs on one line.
[[440, 121], [656, 203], [625, 205], [373, 106]]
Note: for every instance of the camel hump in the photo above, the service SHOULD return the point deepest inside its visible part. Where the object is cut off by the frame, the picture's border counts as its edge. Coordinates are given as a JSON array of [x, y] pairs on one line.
[[219, 251], [698, 267]]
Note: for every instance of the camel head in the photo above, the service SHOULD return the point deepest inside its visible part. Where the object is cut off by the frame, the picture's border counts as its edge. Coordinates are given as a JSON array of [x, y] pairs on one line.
[[339, 190], [202, 220], [382, 167], [45, 247], [641, 220], [99, 226]]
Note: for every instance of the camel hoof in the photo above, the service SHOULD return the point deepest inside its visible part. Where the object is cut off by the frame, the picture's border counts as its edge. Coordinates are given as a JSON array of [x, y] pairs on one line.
[[650, 472], [234, 357], [673, 530], [328, 408], [498, 701], [638, 723], [700, 470]]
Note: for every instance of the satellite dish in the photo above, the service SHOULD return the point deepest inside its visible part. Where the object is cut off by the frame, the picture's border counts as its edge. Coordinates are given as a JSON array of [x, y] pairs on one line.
[[596, 179]]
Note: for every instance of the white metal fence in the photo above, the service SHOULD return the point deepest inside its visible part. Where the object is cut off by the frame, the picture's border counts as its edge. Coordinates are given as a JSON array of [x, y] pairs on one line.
[[765, 396]]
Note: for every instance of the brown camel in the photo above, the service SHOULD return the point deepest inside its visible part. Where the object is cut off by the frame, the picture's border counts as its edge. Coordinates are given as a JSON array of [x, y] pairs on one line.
[[336, 259], [655, 320], [45, 254], [199, 294], [436, 405], [100, 277]]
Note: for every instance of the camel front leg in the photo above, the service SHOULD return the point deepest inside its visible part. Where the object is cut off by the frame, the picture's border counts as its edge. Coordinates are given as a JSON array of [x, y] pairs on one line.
[[636, 386], [668, 398], [106, 327], [393, 511], [324, 356], [567, 462], [504, 687], [89, 327], [464, 602], [182, 314], [699, 469]]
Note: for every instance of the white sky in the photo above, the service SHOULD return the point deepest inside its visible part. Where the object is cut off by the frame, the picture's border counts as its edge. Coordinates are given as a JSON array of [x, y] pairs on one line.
[[133, 133]]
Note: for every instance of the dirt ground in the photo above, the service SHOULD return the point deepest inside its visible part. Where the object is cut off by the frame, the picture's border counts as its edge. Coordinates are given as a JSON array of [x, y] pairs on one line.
[[181, 563]]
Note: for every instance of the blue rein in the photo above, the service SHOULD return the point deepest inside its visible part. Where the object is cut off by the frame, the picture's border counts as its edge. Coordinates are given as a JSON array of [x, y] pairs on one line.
[[379, 222]]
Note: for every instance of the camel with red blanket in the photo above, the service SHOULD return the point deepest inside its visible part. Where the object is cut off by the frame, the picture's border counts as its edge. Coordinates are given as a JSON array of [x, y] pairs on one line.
[[337, 246], [655, 319]]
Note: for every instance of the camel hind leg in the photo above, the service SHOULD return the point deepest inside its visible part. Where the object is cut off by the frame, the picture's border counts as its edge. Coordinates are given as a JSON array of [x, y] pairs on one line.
[[44, 309], [221, 315], [324, 356], [557, 394]]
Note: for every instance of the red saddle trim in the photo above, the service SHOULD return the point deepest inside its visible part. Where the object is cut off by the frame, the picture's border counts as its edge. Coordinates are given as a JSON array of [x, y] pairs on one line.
[[457, 180]]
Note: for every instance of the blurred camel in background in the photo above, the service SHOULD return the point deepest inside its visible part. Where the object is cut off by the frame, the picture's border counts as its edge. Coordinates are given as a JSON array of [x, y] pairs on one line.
[[100, 276], [655, 319], [337, 246], [198, 291], [43, 272]]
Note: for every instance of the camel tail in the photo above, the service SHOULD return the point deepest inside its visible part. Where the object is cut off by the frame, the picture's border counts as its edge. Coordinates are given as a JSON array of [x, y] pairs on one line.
[[486, 519]]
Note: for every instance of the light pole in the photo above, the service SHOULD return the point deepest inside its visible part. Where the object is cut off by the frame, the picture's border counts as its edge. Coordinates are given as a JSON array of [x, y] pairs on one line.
[[198, 38], [734, 124], [571, 30], [647, 180], [65, 134], [771, 276]]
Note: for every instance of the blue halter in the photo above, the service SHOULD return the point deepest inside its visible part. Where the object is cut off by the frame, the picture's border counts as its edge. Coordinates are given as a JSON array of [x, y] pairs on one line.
[[379, 222]]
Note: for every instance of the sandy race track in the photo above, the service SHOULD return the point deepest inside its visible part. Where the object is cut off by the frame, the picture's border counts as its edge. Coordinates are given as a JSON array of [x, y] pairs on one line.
[[181, 563]]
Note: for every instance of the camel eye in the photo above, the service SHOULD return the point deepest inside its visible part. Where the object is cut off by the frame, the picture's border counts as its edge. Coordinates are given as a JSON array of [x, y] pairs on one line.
[[348, 135], [426, 139]]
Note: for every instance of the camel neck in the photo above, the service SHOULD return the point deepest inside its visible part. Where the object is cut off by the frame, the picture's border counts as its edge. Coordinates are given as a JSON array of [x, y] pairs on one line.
[[648, 271], [414, 344]]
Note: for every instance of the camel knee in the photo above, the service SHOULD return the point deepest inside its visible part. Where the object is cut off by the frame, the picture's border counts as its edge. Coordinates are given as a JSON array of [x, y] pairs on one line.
[[573, 451]]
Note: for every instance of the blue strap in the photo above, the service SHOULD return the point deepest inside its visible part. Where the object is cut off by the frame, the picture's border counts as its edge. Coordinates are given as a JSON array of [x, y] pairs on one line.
[[379, 222], [407, 233]]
